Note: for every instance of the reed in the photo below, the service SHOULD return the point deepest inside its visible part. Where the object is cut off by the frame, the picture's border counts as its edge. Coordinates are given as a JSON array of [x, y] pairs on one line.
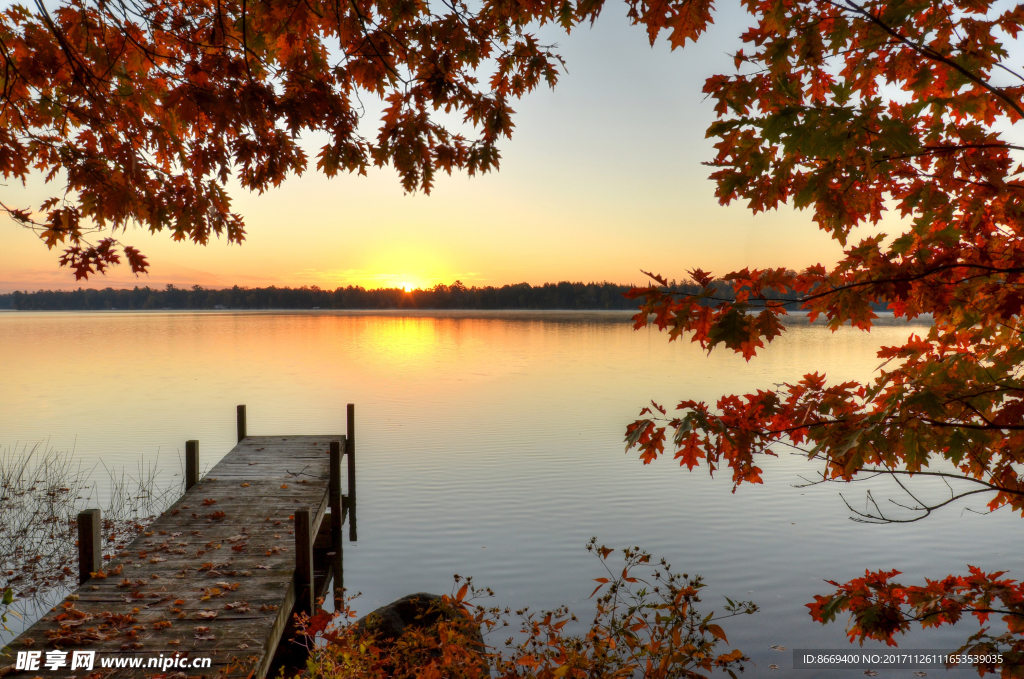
[[41, 492]]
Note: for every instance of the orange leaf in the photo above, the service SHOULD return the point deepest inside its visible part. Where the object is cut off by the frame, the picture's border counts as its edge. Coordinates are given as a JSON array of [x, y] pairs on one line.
[[717, 632]]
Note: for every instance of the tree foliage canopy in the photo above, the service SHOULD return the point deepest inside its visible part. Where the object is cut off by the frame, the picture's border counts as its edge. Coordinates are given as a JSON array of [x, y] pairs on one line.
[[145, 109], [852, 110]]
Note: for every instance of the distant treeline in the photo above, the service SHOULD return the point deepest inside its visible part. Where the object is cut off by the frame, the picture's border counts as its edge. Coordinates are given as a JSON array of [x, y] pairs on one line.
[[564, 295], [456, 296]]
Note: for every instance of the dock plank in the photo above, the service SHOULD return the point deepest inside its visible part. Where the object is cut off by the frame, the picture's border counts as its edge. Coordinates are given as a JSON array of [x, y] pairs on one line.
[[212, 577]]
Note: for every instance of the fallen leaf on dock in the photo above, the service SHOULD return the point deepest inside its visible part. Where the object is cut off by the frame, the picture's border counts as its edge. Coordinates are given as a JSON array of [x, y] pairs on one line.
[[210, 593], [206, 615], [778, 648], [284, 485], [118, 619], [245, 485], [209, 501], [204, 634], [268, 607]]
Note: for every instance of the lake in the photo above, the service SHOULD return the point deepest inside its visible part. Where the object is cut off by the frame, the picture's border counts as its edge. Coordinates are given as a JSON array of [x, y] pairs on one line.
[[491, 445]]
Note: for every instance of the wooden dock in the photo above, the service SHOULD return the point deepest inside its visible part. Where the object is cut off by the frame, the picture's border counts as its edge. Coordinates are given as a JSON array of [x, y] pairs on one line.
[[218, 575]]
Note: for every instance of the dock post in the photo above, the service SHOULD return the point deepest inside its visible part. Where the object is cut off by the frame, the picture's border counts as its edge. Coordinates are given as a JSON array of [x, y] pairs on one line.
[[303, 562], [191, 463], [350, 505], [350, 450], [90, 550], [337, 516], [241, 423], [335, 494]]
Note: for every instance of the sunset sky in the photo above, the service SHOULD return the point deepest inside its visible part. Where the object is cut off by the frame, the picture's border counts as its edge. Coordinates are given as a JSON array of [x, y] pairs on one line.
[[602, 178]]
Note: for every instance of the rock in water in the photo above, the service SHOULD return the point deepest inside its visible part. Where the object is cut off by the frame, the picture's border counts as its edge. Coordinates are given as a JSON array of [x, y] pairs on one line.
[[422, 611]]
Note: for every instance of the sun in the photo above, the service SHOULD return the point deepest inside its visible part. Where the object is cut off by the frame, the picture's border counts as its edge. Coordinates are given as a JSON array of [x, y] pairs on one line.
[[407, 287]]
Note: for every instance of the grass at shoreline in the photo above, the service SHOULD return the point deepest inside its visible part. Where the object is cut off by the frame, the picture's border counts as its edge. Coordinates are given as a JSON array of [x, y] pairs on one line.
[[42, 490]]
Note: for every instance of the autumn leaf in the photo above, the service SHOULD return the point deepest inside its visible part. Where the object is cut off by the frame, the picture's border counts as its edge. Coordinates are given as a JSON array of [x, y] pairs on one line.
[[716, 631], [204, 634]]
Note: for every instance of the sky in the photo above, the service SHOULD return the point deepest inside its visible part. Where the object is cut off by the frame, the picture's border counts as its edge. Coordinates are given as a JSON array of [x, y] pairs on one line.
[[601, 179]]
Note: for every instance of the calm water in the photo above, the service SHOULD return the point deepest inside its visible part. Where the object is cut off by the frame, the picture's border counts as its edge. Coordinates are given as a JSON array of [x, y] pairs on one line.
[[491, 445]]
